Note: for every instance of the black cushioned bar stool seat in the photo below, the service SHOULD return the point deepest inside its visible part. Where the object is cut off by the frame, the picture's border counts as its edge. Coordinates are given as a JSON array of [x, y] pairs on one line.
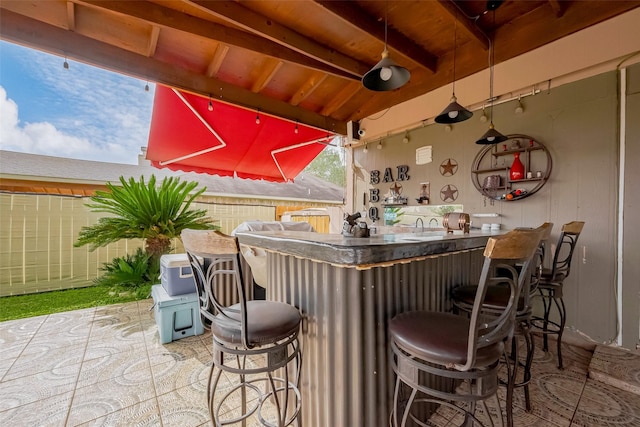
[[270, 321], [446, 344]]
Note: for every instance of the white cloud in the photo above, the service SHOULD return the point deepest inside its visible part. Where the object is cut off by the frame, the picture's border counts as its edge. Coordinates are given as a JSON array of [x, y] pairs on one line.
[[83, 112], [44, 138]]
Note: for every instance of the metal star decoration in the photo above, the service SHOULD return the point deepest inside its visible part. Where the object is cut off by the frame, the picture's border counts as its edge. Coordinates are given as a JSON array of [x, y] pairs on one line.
[[448, 167], [449, 193], [396, 188]]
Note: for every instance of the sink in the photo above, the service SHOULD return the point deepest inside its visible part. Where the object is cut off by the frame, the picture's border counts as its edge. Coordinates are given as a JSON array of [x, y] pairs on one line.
[[421, 237], [406, 229]]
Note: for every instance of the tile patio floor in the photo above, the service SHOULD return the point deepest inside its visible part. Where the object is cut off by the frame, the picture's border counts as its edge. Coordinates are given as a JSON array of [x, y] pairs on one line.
[[105, 366]]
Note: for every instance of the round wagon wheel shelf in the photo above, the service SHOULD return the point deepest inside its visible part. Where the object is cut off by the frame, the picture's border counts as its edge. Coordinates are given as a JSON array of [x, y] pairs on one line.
[[496, 159]]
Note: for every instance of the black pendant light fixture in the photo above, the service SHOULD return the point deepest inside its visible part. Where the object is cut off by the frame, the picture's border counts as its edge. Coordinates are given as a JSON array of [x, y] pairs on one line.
[[386, 74], [492, 136], [454, 113]]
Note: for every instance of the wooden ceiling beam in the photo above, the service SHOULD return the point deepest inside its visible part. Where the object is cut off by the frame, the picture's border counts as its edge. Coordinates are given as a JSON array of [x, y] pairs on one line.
[[347, 92], [38, 35], [307, 88], [153, 40], [476, 33], [168, 18], [262, 26], [269, 69], [351, 14], [557, 8], [217, 60], [71, 16]]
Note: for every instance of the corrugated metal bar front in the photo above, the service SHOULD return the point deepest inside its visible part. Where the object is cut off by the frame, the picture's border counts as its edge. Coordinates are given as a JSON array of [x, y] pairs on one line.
[[347, 379], [225, 288]]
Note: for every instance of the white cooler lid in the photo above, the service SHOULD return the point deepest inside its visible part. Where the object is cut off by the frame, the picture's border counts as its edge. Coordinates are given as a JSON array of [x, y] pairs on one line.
[[174, 260]]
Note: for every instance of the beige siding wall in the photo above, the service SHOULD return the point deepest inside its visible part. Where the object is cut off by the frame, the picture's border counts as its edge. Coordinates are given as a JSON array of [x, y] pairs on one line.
[[579, 124]]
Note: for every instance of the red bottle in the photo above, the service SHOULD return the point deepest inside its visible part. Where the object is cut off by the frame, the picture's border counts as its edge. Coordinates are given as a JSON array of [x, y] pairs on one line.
[[516, 171]]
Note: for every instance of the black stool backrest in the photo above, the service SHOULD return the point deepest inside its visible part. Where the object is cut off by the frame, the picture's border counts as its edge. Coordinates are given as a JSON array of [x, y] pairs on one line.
[[567, 241], [505, 257], [215, 261]]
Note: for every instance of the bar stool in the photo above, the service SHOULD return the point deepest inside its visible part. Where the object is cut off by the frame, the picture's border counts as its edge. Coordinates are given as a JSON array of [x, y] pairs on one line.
[[551, 283], [430, 347], [249, 338], [496, 299]]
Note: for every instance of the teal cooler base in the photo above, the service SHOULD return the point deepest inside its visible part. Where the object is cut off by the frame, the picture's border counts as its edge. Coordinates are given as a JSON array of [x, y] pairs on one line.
[[176, 316]]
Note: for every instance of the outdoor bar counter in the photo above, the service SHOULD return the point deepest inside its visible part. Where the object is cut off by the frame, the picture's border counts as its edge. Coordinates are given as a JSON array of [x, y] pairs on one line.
[[348, 289]]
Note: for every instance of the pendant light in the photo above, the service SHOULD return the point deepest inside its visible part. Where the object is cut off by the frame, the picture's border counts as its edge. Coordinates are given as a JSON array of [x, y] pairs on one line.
[[386, 74], [492, 136], [454, 113]]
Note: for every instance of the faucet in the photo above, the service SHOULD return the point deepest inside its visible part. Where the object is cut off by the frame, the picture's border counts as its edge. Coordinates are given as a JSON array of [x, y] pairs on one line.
[[421, 223], [433, 219]]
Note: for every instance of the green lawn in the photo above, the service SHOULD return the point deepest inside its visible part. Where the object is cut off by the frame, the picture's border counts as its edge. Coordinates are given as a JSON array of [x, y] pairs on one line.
[[21, 306]]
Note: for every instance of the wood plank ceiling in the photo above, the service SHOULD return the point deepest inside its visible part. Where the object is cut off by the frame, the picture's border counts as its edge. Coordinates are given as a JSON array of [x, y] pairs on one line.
[[301, 60]]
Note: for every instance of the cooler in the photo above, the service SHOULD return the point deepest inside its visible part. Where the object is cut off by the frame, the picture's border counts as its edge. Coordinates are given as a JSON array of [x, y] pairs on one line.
[[176, 316], [176, 275]]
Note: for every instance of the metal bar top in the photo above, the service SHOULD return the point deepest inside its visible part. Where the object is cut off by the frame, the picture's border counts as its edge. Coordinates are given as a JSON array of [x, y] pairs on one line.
[[364, 252]]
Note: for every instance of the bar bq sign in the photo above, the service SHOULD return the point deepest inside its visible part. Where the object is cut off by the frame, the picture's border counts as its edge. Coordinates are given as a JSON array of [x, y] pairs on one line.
[[402, 174]]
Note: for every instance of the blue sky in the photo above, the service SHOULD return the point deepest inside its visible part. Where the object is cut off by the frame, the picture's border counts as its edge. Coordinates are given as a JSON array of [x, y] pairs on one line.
[[82, 112]]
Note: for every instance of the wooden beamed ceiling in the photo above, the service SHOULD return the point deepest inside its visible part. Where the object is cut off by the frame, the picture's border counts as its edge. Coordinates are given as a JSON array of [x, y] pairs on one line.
[[300, 60]]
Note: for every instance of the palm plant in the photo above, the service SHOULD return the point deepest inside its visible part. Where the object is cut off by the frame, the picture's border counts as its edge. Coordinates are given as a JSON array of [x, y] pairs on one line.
[[129, 271], [142, 210]]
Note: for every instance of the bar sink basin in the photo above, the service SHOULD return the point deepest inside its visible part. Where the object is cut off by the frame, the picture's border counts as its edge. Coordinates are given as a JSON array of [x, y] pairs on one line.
[[421, 238]]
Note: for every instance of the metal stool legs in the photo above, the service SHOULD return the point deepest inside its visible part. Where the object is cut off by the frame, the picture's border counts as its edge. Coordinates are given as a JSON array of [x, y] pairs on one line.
[[512, 361], [281, 393], [411, 372], [551, 284], [549, 300]]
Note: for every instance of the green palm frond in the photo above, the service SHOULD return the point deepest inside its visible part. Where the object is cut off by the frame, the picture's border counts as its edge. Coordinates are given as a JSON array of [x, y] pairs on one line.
[[139, 209], [130, 271]]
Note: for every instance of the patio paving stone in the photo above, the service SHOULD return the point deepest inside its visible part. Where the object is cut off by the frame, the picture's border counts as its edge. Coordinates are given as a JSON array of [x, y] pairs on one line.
[[107, 367]]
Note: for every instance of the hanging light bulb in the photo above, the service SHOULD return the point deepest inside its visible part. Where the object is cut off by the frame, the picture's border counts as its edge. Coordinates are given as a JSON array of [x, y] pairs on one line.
[[295, 130], [454, 112], [379, 146], [210, 106], [406, 138], [65, 64], [365, 149], [492, 136], [386, 74], [146, 87], [483, 117], [519, 108], [258, 117]]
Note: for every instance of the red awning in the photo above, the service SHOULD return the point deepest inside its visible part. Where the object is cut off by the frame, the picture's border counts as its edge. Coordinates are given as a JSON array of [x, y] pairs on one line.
[[227, 141]]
